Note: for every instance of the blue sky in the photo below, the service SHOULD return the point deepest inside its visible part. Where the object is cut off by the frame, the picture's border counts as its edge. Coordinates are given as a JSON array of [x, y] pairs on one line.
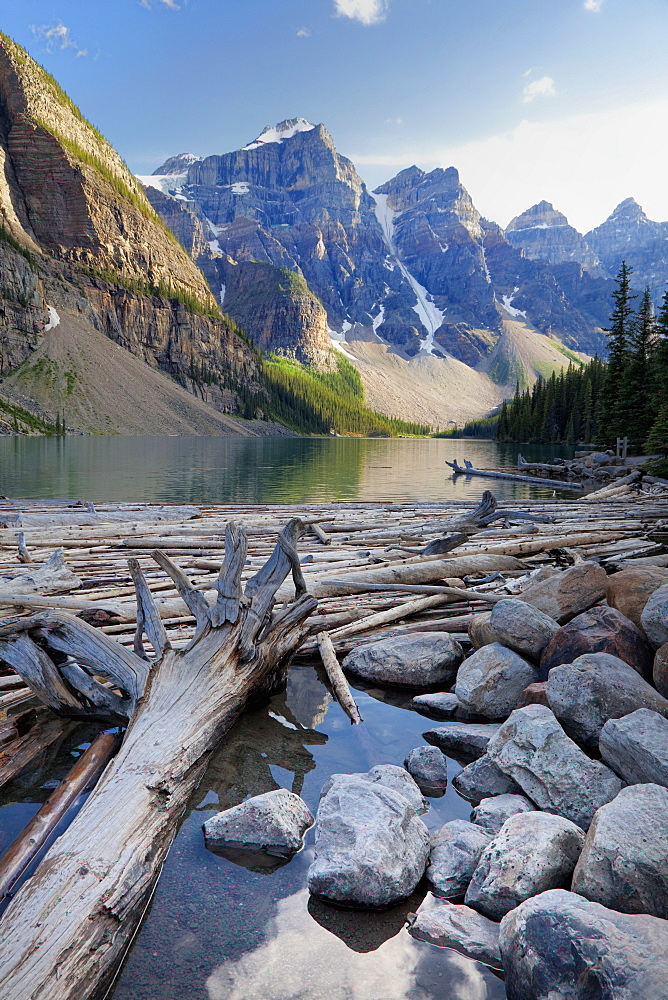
[[559, 99]]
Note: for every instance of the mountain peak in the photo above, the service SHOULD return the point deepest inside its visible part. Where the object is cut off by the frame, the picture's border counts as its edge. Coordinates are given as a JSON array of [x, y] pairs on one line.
[[283, 130], [176, 164], [628, 211], [540, 216]]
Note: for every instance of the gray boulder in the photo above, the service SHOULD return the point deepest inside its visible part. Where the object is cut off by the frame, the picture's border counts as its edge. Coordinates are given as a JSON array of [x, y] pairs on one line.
[[482, 778], [429, 769], [533, 852], [532, 749], [624, 862], [425, 659], [439, 704], [636, 747], [493, 812], [463, 741], [559, 946], [392, 776], [491, 681], [568, 594], [594, 688], [452, 925], [522, 627], [455, 853], [654, 617], [273, 822], [371, 847]]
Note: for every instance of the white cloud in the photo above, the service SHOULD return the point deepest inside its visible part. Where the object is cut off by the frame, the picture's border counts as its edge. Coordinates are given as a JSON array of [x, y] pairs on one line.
[[57, 36], [585, 165], [593, 5], [304, 33], [366, 11], [394, 121], [170, 4], [539, 88]]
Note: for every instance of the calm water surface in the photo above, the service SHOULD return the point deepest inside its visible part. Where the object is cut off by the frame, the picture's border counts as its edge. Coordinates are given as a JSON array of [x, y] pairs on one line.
[[253, 470], [216, 929]]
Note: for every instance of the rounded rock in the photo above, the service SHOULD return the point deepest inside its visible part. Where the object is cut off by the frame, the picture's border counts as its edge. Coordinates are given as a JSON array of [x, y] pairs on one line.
[[491, 681], [423, 660]]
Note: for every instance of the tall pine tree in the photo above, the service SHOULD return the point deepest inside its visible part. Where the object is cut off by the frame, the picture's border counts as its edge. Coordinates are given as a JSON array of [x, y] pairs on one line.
[[611, 421], [636, 403]]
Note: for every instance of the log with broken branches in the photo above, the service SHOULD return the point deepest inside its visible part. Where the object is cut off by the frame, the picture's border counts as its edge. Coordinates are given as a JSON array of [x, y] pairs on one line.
[[337, 678], [468, 470], [93, 885]]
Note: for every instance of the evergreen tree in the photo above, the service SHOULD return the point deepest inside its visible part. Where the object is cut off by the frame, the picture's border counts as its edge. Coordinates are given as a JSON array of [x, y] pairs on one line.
[[636, 402], [611, 423]]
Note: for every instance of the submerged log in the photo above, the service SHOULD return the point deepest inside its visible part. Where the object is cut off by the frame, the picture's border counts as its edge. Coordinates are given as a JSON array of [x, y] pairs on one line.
[[68, 928]]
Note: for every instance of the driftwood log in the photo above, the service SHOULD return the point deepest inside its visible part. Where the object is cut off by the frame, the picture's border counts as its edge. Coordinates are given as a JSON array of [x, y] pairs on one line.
[[468, 470], [69, 926]]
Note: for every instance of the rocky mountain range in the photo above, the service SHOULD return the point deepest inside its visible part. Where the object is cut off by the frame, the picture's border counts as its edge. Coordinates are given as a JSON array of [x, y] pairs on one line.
[[102, 312], [409, 278]]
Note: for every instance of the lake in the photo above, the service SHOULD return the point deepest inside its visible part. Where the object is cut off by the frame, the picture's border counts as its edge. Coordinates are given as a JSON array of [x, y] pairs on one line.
[[216, 929], [257, 470]]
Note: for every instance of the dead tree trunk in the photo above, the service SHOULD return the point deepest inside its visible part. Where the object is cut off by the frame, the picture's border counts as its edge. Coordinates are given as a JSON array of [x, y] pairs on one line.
[[68, 928]]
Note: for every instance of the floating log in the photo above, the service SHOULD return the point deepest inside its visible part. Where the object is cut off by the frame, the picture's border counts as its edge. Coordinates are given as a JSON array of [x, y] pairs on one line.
[[468, 470], [30, 841], [92, 887]]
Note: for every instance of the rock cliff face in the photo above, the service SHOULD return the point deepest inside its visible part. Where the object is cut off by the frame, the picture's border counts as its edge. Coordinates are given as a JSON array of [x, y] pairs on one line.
[[629, 235], [543, 233], [79, 237], [406, 266]]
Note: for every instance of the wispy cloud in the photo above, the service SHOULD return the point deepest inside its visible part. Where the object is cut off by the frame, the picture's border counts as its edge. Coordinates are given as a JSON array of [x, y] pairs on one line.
[[170, 4], [394, 121], [593, 5], [365, 11], [304, 33], [57, 36], [539, 88]]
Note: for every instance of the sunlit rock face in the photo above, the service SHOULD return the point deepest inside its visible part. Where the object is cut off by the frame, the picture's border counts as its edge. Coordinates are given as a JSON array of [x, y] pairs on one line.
[[629, 235], [412, 265], [543, 233]]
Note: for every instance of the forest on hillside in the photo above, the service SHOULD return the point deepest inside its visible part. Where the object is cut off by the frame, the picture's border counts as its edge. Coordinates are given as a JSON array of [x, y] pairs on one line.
[[598, 402]]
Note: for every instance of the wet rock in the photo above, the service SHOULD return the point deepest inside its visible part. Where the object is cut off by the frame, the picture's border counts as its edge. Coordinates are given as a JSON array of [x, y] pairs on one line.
[[493, 812], [483, 778], [429, 769], [453, 925], [480, 632], [273, 822], [624, 861], [533, 749], [425, 659], [654, 618], [533, 852], [630, 589], [371, 847], [559, 946], [568, 594], [636, 747], [601, 630], [585, 694], [521, 627], [439, 704], [533, 694], [660, 670], [463, 741], [454, 856], [490, 682], [394, 777]]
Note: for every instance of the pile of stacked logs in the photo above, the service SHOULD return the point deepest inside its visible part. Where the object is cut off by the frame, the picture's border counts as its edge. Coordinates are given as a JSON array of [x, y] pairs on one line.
[[163, 621]]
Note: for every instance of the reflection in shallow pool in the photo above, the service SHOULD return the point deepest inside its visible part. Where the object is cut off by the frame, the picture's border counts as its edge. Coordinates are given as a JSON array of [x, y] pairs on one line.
[[218, 930]]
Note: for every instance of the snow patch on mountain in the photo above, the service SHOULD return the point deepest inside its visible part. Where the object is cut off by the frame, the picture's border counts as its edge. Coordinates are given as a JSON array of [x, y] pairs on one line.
[[430, 316], [277, 133], [54, 319], [508, 304], [170, 184]]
